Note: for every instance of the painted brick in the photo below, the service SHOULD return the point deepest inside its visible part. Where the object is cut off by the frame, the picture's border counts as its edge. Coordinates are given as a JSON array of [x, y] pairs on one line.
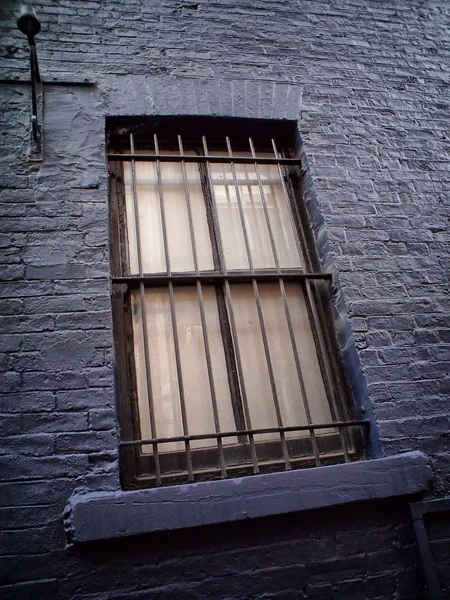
[[372, 112]]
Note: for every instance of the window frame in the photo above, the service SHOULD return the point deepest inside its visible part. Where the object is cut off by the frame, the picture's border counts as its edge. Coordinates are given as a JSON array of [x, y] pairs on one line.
[[133, 465]]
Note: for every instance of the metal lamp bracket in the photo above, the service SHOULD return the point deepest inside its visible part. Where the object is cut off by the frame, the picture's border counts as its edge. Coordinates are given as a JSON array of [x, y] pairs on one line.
[[30, 26]]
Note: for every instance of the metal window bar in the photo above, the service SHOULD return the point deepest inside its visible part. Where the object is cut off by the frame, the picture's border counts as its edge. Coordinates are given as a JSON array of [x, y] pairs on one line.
[[225, 278], [215, 278], [260, 313], [173, 316], [328, 378], [212, 388], [315, 321], [144, 316], [288, 203], [234, 433], [202, 315], [188, 206], [264, 204], [231, 317], [299, 370], [283, 294], [202, 158]]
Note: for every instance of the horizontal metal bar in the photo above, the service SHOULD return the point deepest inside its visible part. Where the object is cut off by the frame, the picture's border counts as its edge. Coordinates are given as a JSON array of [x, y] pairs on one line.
[[68, 83], [267, 160], [209, 436], [135, 280]]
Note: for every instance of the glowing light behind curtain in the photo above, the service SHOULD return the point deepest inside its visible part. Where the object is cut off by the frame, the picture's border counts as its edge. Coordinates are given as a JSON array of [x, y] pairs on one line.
[[164, 380], [175, 207], [230, 223]]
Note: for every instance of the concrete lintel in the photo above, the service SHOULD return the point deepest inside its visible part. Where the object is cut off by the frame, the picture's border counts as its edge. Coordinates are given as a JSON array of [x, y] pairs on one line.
[[104, 515]]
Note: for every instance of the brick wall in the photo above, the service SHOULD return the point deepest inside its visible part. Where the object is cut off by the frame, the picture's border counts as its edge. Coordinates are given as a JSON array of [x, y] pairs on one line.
[[369, 84]]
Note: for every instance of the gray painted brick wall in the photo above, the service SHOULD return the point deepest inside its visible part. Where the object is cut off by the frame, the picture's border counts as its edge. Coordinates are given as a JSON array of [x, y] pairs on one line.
[[368, 82]]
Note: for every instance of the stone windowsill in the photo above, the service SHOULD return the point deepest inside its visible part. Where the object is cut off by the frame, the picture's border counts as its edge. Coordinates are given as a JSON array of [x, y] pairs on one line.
[[104, 515]]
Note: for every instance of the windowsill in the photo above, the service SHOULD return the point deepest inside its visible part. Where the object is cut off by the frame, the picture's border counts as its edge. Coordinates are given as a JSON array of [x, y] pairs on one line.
[[104, 515]]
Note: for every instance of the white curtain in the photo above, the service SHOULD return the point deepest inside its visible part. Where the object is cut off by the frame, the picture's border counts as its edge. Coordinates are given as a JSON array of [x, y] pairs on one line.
[[162, 375]]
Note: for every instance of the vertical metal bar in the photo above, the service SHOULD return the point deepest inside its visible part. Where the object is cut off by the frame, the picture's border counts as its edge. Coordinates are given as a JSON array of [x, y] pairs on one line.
[[258, 304], [161, 207], [144, 318], [214, 213], [173, 315], [230, 360], [202, 316], [220, 265], [188, 206], [344, 444], [117, 226], [241, 376], [149, 384], [264, 203], [211, 379], [307, 251], [328, 377], [260, 314], [135, 207], [241, 212], [271, 375], [299, 371], [283, 293], [289, 207], [231, 315], [176, 343]]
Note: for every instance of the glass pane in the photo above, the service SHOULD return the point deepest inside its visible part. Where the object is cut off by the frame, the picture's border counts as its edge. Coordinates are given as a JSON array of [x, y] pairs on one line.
[[254, 364], [255, 221], [283, 234], [164, 379], [176, 214], [149, 219]]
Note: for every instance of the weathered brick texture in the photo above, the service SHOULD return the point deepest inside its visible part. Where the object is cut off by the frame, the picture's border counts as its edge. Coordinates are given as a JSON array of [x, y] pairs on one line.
[[368, 81]]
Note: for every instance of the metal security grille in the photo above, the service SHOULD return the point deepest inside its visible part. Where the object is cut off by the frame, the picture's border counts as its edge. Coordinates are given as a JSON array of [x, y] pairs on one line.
[[152, 454]]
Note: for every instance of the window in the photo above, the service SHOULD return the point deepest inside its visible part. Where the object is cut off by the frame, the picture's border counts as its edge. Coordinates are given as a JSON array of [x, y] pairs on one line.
[[225, 351]]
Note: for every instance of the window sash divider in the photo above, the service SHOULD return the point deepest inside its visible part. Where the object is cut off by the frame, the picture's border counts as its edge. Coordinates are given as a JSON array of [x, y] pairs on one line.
[[176, 344], [241, 376], [212, 387]]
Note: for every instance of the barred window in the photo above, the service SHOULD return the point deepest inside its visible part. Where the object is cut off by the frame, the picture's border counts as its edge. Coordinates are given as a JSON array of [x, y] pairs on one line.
[[224, 343]]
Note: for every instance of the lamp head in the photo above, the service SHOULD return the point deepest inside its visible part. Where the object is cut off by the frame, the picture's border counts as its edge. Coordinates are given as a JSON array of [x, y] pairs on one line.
[[28, 23]]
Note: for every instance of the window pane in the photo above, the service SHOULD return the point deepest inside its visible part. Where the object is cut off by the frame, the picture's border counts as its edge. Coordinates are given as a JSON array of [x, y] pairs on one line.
[[176, 214], [165, 384], [255, 221], [149, 218], [283, 234], [254, 363]]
